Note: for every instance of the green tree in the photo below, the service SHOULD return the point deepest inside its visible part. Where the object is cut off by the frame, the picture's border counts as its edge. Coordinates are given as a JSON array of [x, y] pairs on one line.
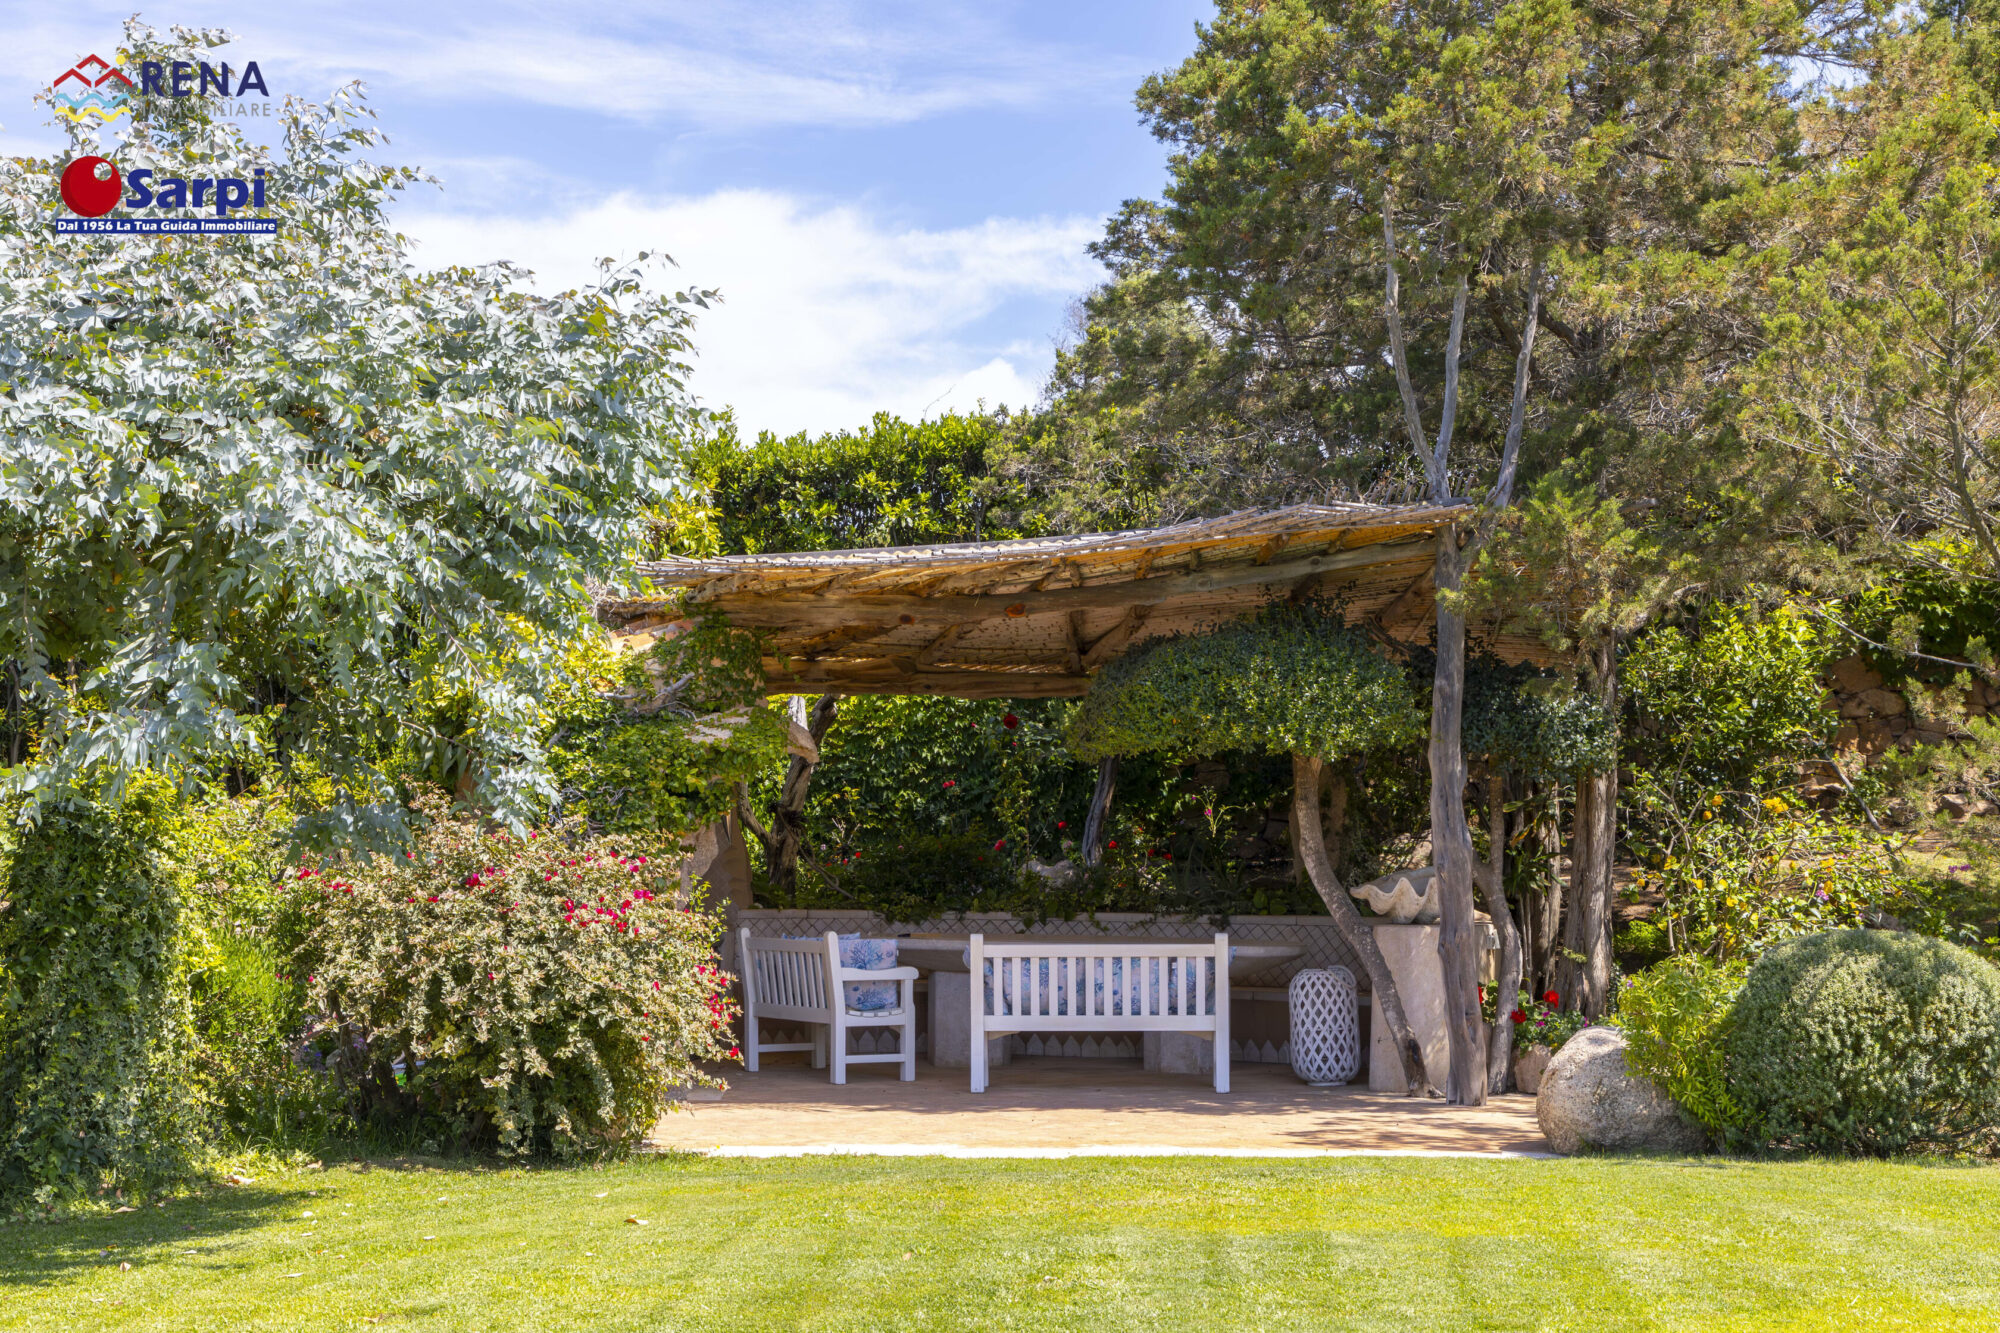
[[895, 484], [1618, 154], [268, 495], [1296, 681], [1883, 357]]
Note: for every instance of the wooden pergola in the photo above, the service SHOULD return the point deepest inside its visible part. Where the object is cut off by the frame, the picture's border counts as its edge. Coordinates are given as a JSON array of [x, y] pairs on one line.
[[1037, 617]]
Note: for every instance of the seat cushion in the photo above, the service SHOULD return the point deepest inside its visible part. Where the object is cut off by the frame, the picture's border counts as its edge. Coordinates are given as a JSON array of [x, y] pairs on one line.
[[868, 997]]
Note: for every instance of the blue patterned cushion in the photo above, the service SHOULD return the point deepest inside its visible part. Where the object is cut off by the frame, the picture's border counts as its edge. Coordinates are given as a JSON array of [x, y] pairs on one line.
[[872, 956]]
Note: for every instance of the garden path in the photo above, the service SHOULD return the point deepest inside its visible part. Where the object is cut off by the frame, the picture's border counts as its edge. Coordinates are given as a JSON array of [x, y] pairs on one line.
[[1042, 1106]]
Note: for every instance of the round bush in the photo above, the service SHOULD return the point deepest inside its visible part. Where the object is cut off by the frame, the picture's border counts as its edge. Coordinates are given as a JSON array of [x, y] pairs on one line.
[[1868, 1042]]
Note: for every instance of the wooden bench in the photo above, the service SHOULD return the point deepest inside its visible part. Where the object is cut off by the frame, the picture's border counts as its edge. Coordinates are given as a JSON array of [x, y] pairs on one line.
[[803, 981], [1020, 984]]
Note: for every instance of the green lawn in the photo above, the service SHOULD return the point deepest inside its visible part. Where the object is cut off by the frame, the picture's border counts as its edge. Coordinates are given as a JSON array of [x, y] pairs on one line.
[[865, 1243]]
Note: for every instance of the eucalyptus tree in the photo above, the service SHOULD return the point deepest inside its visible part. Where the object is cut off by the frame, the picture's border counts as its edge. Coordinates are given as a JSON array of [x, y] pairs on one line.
[[264, 495]]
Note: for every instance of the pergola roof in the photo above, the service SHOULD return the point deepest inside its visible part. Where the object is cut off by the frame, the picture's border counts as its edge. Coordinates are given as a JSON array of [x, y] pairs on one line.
[[1035, 618]]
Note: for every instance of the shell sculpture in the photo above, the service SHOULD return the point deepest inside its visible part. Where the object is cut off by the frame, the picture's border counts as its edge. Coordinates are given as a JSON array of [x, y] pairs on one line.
[[1405, 896]]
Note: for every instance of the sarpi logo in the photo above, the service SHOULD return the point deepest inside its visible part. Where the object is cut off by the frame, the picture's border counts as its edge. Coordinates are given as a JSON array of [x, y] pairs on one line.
[[91, 186], [91, 89]]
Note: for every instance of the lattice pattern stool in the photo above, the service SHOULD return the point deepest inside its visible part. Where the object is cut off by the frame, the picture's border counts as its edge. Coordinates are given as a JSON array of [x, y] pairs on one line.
[[1326, 1026]]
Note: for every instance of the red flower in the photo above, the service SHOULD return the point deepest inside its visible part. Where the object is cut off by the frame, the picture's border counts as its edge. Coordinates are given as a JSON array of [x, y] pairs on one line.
[[949, 783], [998, 845], [1550, 997], [1482, 995], [1010, 721], [1112, 844], [1517, 1017], [1062, 824], [734, 1053]]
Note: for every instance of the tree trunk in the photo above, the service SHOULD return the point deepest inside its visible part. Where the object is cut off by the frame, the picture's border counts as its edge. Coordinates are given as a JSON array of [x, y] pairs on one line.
[[1451, 842], [1584, 977], [1335, 824], [1100, 810], [1306, 776], [780, 842], [1547, 922], [1493, 882]]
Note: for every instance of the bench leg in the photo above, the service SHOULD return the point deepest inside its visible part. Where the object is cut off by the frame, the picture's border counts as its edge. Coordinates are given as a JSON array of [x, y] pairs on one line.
[[909, 1037], [819, 1045]]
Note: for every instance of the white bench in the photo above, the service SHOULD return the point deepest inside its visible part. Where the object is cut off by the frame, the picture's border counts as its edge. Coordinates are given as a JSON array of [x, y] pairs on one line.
[[803, 981], [1063, 986]]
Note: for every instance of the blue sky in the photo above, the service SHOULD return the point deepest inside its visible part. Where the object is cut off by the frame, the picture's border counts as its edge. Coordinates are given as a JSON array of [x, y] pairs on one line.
[[893, 198]]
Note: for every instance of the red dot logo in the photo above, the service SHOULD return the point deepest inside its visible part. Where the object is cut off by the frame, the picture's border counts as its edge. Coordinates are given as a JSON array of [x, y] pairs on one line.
[[87, 196]]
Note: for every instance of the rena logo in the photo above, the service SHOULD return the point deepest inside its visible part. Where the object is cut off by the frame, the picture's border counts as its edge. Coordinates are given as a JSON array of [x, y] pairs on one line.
[[93, 88], [92, 196], [155, 78]]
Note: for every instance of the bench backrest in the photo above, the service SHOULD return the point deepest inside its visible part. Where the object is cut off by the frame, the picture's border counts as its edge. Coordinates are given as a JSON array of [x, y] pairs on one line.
[[1055, 985], [788, 978]]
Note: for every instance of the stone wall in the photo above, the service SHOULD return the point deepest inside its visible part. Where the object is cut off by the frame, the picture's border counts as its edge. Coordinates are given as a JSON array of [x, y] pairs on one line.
[[1875, 717]]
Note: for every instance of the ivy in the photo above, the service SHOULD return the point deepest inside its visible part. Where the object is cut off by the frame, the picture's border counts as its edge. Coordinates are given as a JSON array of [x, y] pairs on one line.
[[95, 1028]]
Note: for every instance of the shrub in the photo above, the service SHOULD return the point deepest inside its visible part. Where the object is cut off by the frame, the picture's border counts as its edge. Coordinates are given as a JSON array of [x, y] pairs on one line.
[[95, 1087], [1868, 1042], [540, 994], [1676, 1016]]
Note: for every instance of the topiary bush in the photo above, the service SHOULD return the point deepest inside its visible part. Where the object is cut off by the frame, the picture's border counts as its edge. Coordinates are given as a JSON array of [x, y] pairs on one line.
[[1293, 680], [96, 1090], [540, 995], [1677, 1017], [1868, 1042]]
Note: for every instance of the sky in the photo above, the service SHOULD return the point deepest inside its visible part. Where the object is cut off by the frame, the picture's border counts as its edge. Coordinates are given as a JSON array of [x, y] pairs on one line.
[[894, 199]]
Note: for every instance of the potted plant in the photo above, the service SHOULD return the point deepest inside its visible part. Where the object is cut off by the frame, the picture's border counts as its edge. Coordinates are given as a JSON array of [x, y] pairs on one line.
[[1540, 1029]]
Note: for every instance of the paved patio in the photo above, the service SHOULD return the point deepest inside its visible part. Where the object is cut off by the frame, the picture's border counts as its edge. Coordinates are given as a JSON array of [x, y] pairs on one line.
[[1040, 1106]]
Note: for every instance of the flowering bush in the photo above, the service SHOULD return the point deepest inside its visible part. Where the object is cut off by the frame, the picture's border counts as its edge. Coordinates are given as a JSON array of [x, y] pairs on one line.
[[1736, 875], [542, 994]]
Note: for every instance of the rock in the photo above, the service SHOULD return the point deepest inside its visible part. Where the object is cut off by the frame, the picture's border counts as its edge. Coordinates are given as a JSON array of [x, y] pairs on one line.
[[1851, 675], [1588, 1101], [1883, 703]]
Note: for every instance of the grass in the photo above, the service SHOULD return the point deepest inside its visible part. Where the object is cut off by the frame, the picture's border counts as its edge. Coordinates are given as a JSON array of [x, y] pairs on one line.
[[872, 1243]]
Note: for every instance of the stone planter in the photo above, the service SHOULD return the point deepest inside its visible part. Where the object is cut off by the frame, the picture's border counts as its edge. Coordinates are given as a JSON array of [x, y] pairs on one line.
[[1528, 1068]]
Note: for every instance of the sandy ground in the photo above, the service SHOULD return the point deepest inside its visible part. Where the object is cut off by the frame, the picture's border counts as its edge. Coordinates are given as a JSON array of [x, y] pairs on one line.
[[1042, 1104]]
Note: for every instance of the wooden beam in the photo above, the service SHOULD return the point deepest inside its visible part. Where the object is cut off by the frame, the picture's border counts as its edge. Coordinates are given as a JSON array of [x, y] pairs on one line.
[[1076, 643], [1113, 641], [1403, 600], [796, 610], [863, 678], [936, 646]]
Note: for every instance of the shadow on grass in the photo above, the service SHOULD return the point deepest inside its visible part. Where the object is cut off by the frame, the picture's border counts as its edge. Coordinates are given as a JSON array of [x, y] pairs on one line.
[[44, 1253]]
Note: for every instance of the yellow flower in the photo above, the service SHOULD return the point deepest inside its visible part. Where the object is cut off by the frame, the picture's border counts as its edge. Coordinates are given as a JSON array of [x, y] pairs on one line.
[[1775, 805]]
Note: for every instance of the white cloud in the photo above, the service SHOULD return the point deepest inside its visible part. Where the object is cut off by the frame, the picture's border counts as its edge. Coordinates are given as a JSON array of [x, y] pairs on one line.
[[715, 66], [829, 314]]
